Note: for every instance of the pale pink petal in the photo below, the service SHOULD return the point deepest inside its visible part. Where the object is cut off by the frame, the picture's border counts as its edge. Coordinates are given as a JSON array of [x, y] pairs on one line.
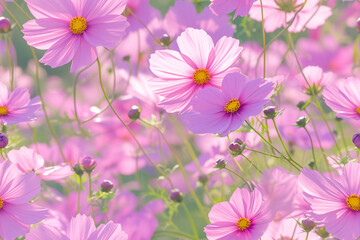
[[81, 227]]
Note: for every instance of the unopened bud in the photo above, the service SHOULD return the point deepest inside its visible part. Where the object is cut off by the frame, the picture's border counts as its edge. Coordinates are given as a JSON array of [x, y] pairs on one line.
[[88, 164], [176, 195], [203, 179], [106, 186], [322, 232], [165, 40], [134, 113], [221, 163], [3, 140], [301, 122], [78, 170], [270, 112], [356, 140], [5, 25], [236, 147], [307, 225]]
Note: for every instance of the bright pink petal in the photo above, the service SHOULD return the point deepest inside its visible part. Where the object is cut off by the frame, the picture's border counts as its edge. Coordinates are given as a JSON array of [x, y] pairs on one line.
[[110, 231]]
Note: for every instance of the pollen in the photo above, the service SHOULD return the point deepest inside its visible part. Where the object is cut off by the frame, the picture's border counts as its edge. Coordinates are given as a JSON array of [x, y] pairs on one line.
[[353, 202], [358, 110], [3, 111], [78, 25], [243, 224], [1, 203], [201, 76], [232, 106]]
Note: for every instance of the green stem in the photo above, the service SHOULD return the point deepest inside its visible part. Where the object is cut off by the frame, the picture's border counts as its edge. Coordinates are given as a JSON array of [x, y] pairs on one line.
[[129, 130], [2, 155], [228, 169], [179, 234], [191, 220], [281, 140], [252, 164], [263, 35], [307, 236], [263, 153], [90, 197], [312, 148], [343, 138], [80, 187], [10, 62]]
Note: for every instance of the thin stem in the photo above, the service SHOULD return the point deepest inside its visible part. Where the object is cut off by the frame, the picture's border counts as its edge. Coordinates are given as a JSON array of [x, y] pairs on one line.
[[263, 35], [312, 148], [238, 164], [79, 194], [90, 197], [178, 233], [252, 164], [341, 130], [10, 62], [145, 26], [2, 155], [264, 139], [307, 236], [228, 169], [281, 140], [263, 153], [22, 10], [129, 130], [193, 226]]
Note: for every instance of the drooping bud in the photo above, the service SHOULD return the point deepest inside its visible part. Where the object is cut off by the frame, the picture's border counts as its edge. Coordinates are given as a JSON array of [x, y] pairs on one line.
[[302, 121], [3, 140], [134, 113], [78, 170], [307, 224], [270, 112], [221, 163], [5, 25], [88, 164], [356, 140], [176, 195], [106, 186]]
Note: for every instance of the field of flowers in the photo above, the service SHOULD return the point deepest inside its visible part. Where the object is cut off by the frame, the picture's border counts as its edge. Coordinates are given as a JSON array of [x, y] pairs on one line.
[[179, 119]]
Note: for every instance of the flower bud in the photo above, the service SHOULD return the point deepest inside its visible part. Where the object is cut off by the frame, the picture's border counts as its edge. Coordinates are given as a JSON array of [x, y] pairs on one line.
[[270, 112], [236, 148], [307, 224], [301, 105], [126, 58], [88, 164], [78, 170], [302, 121], [322, 232], [176, 195], [134, 113], [3, 140], [203, 179], [106, 186], [165, 40], [5, 25], [221, 163], [356, 140]]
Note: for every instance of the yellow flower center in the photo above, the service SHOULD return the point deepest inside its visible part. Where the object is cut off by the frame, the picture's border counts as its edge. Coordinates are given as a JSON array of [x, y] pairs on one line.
[[78, 25], [353, 202], [201, 76], [358, 110], [243, 224], [232, 106], [3, 111], [1, 203]]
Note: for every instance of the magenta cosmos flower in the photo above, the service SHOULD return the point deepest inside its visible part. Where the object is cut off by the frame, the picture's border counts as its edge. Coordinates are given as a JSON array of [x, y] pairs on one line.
[[241, 7], [245, 217], [343, 97], [199, 64], [16, 190], [72, 29], [334, 203], [81, 228], [220, 111], [16, 106], [277, 13]]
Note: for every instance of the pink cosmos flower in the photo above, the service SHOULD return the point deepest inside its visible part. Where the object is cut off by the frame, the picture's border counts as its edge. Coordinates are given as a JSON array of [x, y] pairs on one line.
[[72, 29], [16, 190], [245, 216], [241, 7], [278, 13], [81, 227], [316, 77], [343, 97], [16, 106], [199, 64], [221, 111], [334, 202], [28, 160]]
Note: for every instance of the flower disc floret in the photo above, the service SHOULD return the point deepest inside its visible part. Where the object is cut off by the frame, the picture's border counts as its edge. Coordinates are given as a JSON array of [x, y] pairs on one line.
[[243, 224], [353, 202], [1, 203], [358, 110], [3, 111], [201, 76], [78, 25], [232, 106]]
